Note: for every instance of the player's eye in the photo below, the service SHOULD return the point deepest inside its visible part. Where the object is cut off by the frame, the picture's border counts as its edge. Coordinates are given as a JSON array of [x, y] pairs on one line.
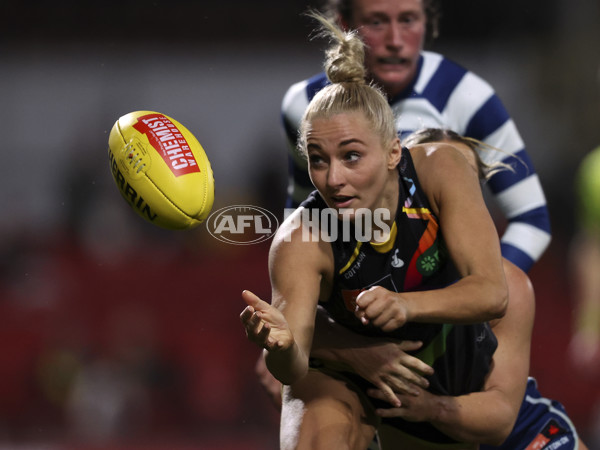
[[315, 160], [352, 156]]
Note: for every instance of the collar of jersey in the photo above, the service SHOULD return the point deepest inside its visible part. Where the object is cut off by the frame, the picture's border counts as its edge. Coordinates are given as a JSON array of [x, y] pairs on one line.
[[387, 245]]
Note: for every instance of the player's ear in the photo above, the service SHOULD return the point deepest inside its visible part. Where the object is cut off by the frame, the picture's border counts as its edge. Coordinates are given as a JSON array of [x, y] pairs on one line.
[[394, 154]]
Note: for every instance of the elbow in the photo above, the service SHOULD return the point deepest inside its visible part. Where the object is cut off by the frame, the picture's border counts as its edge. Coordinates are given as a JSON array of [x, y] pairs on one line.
[[499, 434], [495, 432], [491, 428], [292, 378], [501, 426], [498, 302], [284, 372], [502, 304], [496, 439]]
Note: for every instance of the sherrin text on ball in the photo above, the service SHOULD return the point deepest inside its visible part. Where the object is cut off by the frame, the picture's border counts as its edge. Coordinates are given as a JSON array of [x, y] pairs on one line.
[[161, 170]]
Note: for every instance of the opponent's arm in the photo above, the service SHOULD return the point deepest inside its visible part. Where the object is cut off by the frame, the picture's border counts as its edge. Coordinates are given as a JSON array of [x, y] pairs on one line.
[[469, 418], [293, 106], [518, 194], [383, 362]]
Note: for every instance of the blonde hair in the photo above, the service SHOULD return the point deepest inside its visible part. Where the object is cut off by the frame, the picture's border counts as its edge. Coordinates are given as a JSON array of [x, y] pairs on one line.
[[348, 91], [484, 170]]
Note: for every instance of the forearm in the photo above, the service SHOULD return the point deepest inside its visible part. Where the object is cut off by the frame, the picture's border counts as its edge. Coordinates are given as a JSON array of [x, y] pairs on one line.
[[489, 416], [472, 299], [289, 365], [469, 418]]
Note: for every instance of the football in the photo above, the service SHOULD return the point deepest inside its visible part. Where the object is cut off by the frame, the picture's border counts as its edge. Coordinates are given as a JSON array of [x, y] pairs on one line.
[[161, 170]]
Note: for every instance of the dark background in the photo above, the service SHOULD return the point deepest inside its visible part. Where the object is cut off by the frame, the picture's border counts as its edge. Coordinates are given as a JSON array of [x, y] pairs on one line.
[[117, 334]]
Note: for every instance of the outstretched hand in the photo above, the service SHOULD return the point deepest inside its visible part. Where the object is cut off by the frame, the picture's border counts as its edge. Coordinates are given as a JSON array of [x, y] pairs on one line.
[[265, 325]]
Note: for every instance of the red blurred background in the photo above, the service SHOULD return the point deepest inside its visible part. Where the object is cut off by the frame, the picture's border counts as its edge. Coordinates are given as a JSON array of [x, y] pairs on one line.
[[114, 334]]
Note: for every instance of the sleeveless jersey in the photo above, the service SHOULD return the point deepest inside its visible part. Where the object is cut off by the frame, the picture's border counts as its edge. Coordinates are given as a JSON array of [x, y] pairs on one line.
[[445, 95], [413, 258]]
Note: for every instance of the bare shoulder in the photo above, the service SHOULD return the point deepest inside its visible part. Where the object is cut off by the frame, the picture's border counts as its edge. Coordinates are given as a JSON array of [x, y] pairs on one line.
[[298, 250], [440, 155], [444, 172]]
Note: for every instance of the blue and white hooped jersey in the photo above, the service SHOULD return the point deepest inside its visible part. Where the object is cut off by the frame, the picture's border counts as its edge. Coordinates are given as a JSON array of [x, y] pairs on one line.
[[445, 95], [542, 423]]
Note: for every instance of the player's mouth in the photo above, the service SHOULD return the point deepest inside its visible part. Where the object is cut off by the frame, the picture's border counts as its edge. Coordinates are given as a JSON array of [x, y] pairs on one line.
[[393, 61], [341, 201]]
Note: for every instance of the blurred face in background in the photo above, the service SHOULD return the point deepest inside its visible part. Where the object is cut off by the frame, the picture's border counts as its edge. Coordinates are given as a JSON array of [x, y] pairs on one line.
[[394, 34]]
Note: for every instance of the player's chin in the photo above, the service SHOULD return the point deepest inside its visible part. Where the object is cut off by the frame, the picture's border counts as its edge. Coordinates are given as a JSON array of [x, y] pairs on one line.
[[392, 77]]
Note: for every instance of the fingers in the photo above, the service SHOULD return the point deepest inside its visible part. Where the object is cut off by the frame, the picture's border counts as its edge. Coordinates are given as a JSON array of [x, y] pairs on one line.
[[257, 330], [386, 394], [401, 384], [380, 307], [250, 317], [405, 378], [365, 297], [253, 300], [397, 410], [379, 394], [410, 346], [413, 363], [362, 316], [390, 412], [246, 314]]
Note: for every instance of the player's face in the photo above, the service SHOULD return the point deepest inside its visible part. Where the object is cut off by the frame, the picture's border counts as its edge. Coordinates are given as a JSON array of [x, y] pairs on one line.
[[349, 165], [394, 33]]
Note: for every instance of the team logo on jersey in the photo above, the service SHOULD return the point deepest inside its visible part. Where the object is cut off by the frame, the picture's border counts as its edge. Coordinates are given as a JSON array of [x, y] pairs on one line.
[[553, 436], [429, 261], [396, 262]]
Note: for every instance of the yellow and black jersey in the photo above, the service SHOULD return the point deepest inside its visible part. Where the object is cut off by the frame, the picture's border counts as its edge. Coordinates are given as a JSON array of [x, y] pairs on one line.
[[412, 258]]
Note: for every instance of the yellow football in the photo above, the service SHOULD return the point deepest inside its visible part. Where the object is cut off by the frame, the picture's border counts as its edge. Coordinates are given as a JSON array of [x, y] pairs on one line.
[[161, 170]]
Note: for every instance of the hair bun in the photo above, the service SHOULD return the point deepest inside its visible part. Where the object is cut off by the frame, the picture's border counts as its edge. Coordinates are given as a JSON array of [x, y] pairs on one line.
[[344, 60]]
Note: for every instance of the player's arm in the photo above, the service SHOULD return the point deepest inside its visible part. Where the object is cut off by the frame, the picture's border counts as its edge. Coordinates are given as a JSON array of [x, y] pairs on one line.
[[519, 194], [454, 192], [485, 417], [293, 105], [480, 294], [284, 328], [521, 199], [383, 362]]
